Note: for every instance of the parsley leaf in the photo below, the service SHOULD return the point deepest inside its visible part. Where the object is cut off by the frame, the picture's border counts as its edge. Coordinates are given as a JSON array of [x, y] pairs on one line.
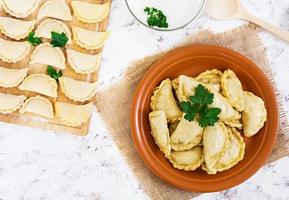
[[156, 18], [33, 40], [197, 107], [58, 40], [53, 72]]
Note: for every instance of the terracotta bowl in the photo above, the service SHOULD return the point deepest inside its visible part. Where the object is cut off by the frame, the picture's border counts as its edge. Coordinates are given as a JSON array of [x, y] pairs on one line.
[[191, 61]]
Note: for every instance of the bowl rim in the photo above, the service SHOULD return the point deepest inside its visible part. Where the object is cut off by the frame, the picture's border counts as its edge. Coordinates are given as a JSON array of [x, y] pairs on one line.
[[200, 11], [246, 173]]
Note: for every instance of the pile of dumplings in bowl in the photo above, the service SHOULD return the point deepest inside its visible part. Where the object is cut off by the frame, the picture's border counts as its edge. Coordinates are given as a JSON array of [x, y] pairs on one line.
[[188, 145]]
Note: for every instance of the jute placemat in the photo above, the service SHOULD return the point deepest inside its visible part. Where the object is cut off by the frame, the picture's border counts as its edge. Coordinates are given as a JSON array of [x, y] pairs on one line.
[[114, 104]]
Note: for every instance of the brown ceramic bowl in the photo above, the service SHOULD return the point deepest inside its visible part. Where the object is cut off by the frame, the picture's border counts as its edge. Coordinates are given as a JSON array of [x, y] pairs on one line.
[[191, 61]]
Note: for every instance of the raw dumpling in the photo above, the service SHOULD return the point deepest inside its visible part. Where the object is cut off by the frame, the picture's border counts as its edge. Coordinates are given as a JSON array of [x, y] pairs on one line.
[[19, 8], [89, 12], [83, 63], [16, 29], [185, 87], [186, 135], [160, 131], [12, 52], [72, 115], [52, 25], [40, 83], [254, 115], [10, 103], [77, 90], [215, 141], [212, 78], [228, 114], [89, 40], [38, 105], [12, 77], [163, 99], [187, 160], [232, 89], [47, 55], [57, 9]]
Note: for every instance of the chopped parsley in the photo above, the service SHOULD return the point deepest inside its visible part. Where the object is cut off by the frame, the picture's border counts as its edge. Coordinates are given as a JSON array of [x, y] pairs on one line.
[[156, 18], [33, 40], [197, 107], [53, 72], [58, 40]]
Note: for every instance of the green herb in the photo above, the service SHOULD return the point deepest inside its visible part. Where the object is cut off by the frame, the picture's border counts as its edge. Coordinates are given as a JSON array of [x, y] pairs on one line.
[[53, 72], [33, 40], [58, 40], [156, 18], [198, 108]]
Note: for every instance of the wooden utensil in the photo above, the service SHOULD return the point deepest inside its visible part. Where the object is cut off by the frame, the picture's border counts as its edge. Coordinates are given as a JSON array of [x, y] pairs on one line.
[[233, 9]]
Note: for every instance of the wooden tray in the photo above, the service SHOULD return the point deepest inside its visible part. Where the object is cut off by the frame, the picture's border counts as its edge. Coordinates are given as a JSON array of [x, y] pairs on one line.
[[36, 121]]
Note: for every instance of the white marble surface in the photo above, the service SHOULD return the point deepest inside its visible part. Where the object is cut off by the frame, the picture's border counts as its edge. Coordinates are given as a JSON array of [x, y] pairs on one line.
[[51, 166]]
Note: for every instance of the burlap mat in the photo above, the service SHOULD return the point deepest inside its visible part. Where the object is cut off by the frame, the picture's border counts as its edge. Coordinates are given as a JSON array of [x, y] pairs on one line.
[[114, 105]]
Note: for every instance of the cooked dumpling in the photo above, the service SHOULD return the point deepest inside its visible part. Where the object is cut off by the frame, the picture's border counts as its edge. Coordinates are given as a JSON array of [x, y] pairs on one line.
[[20, 8], [13, 52], [160, 131], [40, 83], [89, 40], [163, 99], [210, 77], [52, 25], [77, 90], [55, 8], [215, 141], [15, 28], [228, 114], [10, 103], [254, 115], [12, 77], [38, 105], [185, 87], [186, 135], [187, 160], [47, 55], [83, 63], [90, 12], [72, 115], [232, 89]]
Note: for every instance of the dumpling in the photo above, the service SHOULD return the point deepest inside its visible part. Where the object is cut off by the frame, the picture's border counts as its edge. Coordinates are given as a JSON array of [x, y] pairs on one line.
[[160, 131], [71, 114], [211, 77], [38, 105], [12, 77], [228, 114], [89, 40], [40, 83], [16, 29], [163, 99], [186, 135], [254, 115], [77, 90], [20, 9], [12, 52], [57, 9], [232, 89], [47, 55], [215, 141], [90, 12], [185, 87], [188, 160], [52, 25], [83, 63], [10, 103]]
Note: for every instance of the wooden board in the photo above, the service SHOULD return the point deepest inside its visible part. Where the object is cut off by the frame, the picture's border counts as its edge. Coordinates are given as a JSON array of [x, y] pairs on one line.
[[36, 121]]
